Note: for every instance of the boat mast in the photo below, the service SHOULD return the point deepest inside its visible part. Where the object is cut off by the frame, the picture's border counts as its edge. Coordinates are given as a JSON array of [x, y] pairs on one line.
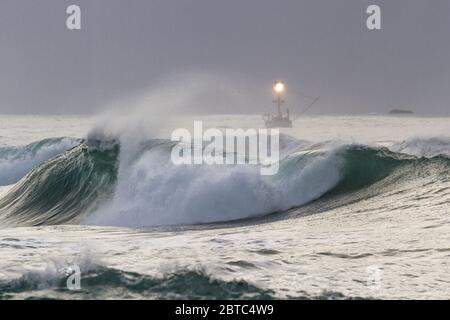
[[279, 88], [279, 105]]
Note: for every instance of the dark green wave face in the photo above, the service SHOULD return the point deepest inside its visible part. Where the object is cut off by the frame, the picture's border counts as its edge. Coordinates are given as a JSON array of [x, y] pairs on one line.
[[369, 171], [61, 190], [364, 166]]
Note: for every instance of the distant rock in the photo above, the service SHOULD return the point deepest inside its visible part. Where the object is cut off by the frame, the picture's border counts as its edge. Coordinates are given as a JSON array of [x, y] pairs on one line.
[[400, 111]]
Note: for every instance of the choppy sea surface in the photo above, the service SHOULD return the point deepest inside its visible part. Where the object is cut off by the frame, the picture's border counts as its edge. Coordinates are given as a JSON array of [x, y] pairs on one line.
[[359, 209]]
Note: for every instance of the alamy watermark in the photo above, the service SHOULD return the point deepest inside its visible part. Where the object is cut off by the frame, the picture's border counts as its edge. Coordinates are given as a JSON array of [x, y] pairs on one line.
[[73, 21], [73, 274], [227, 147], [373, 21]]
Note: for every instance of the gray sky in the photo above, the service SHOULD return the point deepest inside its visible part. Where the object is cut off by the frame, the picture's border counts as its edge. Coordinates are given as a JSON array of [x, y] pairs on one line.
[[320, 47]]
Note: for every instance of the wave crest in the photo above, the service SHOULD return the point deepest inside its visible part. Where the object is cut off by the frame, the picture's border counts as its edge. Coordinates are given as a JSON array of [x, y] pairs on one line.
[[16, 162]]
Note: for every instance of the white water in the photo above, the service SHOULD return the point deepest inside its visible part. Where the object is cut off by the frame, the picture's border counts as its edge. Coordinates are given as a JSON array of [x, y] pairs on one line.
[[153, 192], [427, 147]]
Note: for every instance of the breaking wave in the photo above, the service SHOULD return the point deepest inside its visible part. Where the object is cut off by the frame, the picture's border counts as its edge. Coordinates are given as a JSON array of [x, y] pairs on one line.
[[105, 183], [109, 283]]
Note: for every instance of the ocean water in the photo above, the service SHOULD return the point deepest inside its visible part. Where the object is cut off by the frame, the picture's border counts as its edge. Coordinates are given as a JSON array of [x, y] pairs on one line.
[[359, 209]]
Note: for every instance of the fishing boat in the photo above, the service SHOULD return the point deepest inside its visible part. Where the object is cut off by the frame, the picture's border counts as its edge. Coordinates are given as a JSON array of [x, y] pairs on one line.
[[278, 120]]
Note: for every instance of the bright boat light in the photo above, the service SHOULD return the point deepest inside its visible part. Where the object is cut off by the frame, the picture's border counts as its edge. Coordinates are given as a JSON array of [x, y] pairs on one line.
[[279, 87]]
